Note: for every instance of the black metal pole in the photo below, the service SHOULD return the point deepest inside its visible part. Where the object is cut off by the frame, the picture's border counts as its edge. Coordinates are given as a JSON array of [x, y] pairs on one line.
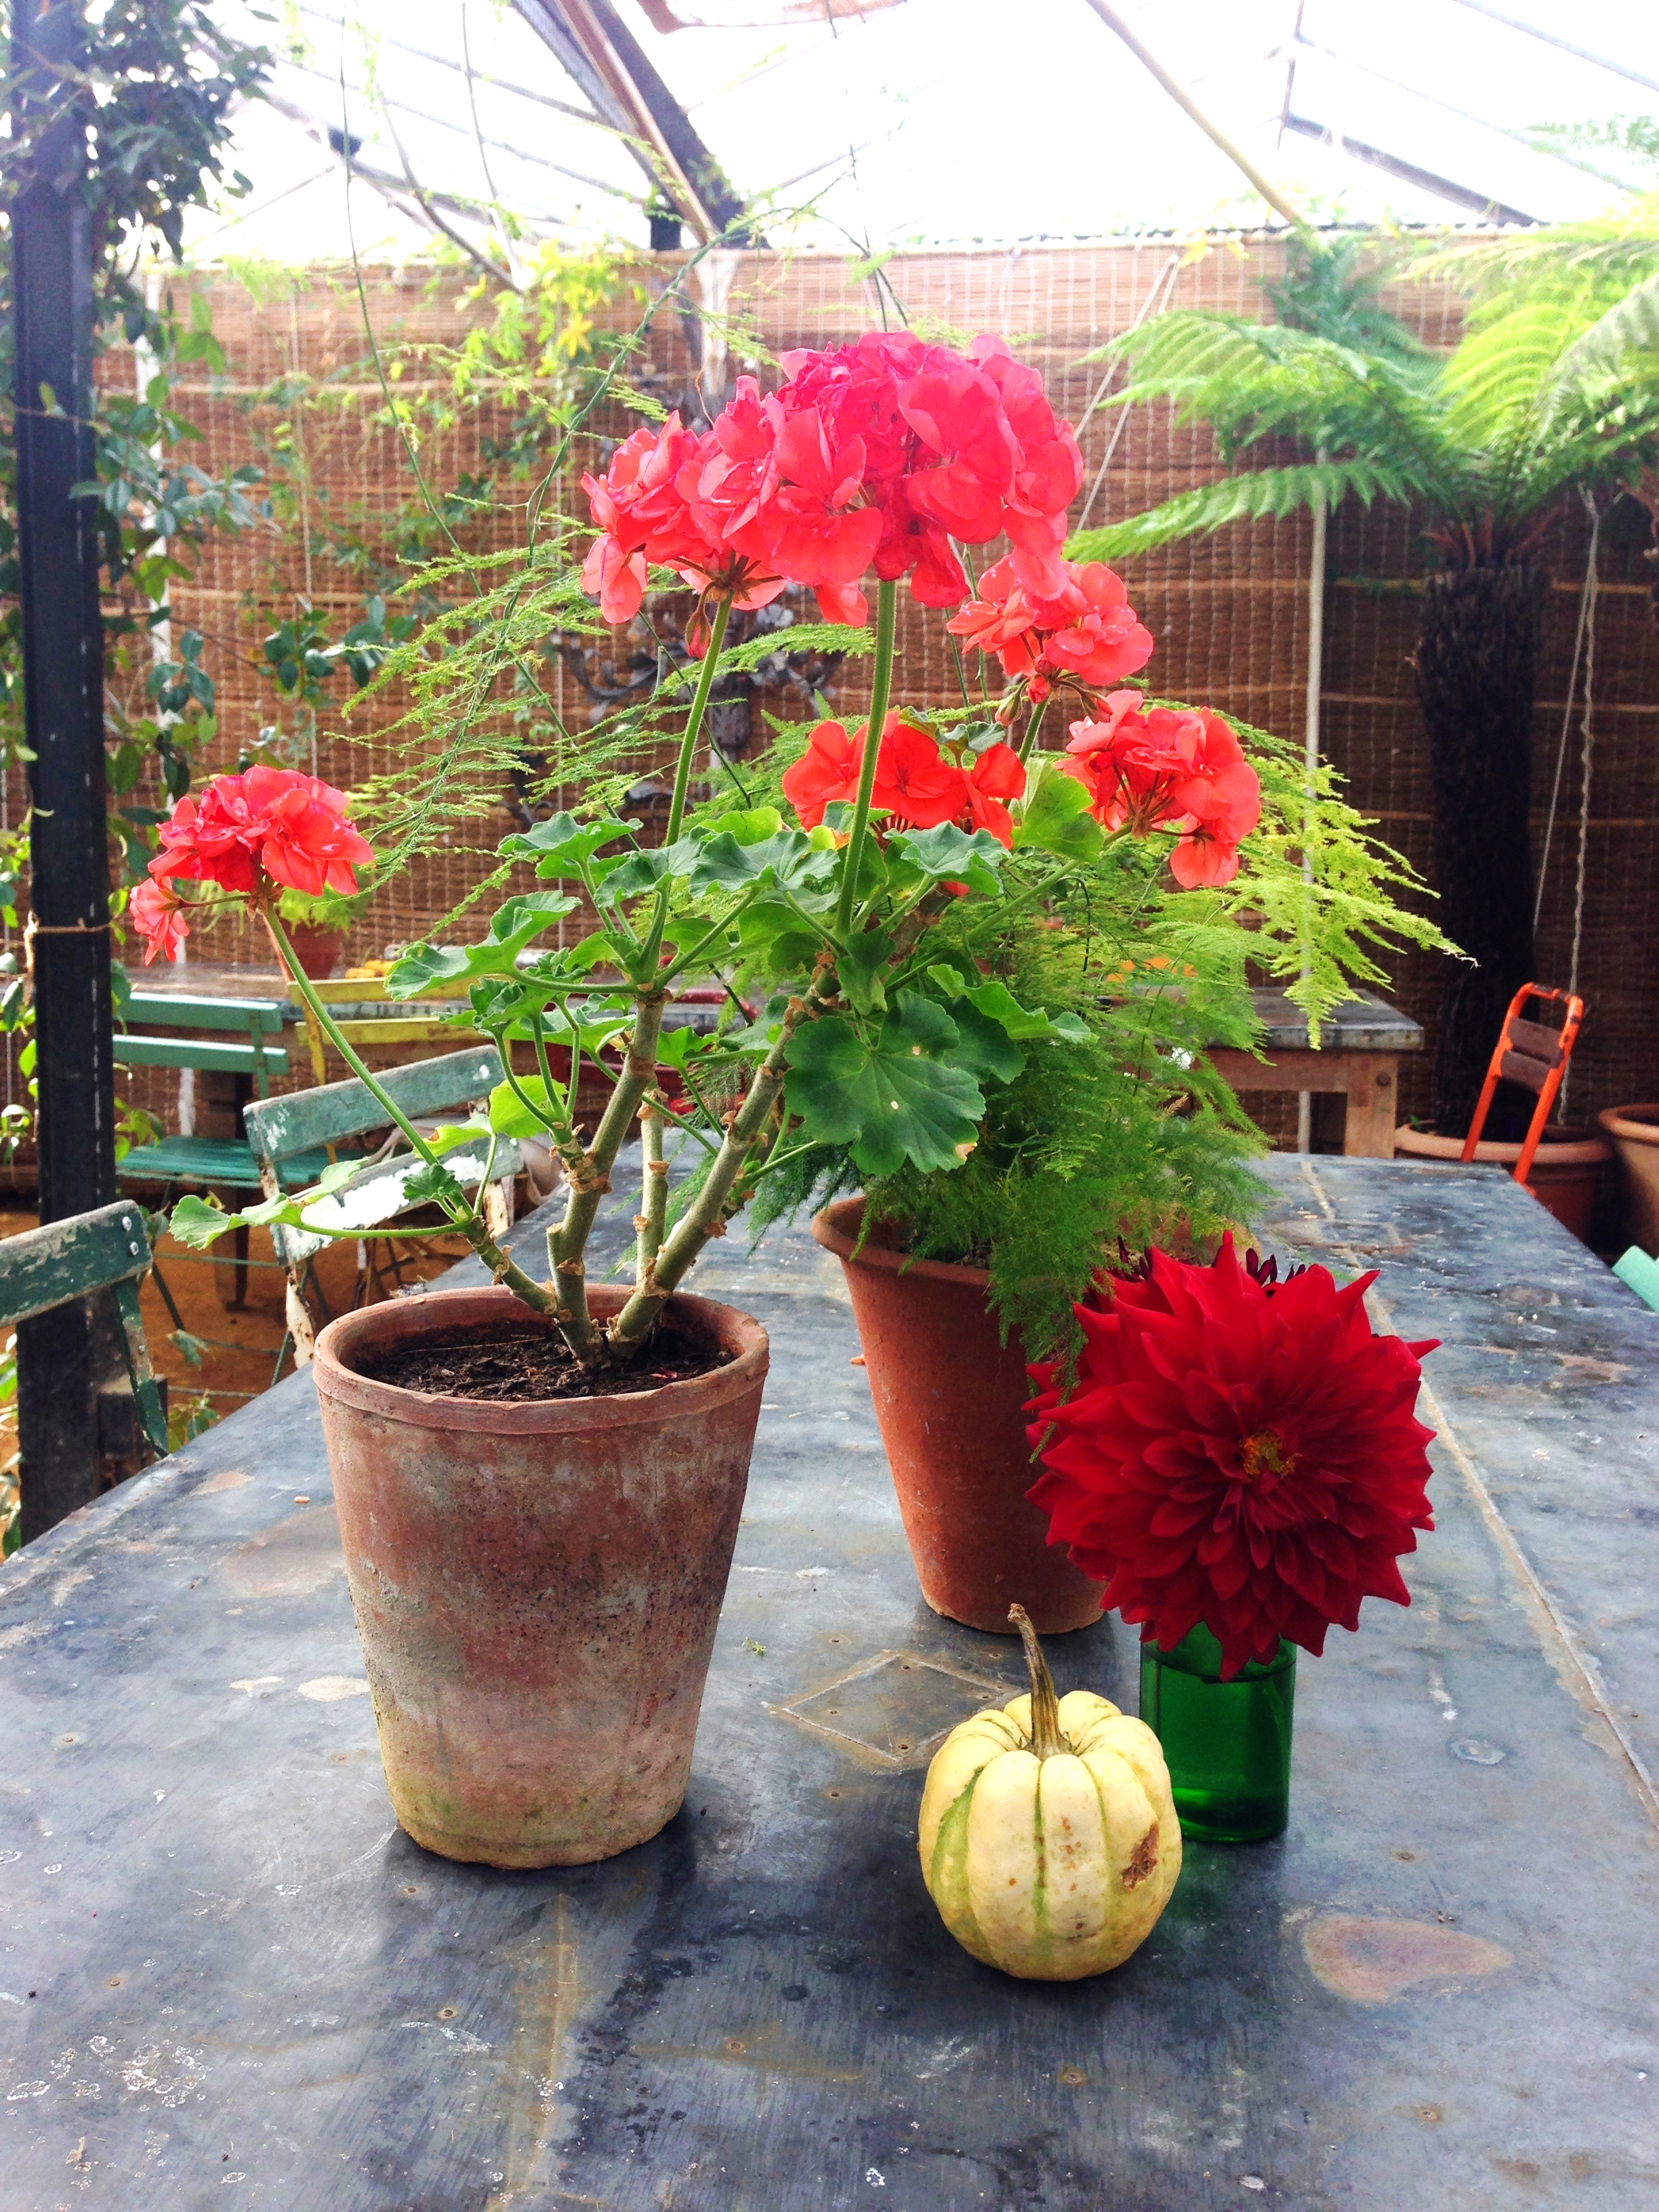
[[61, 1356]]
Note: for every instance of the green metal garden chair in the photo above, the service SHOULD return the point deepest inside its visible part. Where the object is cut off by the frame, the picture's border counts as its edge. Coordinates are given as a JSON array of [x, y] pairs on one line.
[[211, 1163], [304, 1124], [106, 1250]]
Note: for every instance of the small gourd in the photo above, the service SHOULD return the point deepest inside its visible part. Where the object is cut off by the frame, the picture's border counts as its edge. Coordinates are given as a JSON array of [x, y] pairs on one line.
[[1049, 1841]]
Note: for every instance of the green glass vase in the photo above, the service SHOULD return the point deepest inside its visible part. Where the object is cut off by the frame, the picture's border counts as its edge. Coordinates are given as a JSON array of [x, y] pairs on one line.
[[1227, 1744]]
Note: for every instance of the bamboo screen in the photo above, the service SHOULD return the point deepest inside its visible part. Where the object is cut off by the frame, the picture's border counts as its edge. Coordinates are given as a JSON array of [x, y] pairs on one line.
[[1230, 613]]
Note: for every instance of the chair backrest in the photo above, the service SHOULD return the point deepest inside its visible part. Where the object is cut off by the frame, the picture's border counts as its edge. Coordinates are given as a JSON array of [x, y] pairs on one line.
[[1535, 1056], [103, 1250], [304, 1120], [406, 1025], [176, 1010], [254, 1018]]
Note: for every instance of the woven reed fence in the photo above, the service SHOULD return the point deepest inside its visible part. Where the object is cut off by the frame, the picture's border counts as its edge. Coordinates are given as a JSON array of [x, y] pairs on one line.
[[1230, 613]]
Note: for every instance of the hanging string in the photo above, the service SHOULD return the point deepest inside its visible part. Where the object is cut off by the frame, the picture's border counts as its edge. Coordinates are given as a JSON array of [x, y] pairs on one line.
[[1154, 303], [1592, 586], [1584, 599]]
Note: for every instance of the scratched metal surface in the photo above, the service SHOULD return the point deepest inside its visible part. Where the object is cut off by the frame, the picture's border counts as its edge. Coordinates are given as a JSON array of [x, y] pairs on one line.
[[227, 1980]]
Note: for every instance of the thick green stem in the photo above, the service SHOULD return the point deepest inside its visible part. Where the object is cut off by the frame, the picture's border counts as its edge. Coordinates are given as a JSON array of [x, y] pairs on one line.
[[694, 720], [464, 1214], [567, 1243], [881, 686], [706, 1215], [654, 1191], [1031, 728]]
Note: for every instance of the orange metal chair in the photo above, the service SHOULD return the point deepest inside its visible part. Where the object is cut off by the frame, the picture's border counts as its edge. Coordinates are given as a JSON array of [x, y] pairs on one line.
[[1528, 1053]]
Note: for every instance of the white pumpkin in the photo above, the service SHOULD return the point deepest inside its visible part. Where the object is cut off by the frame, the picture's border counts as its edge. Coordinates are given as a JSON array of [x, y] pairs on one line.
[[1048, 1838]]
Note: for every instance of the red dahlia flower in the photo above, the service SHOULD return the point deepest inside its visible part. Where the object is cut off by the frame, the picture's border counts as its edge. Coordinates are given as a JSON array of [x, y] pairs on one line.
[[1237, 1452], [271, 826], [1087, 635], [1161, 769]]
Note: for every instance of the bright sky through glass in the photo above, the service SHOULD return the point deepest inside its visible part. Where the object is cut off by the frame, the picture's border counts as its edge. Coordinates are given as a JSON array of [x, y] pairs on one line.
[[947, 121]]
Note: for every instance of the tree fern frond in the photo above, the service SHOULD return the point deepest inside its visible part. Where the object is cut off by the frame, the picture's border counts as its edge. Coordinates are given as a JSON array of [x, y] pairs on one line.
[[1630, 325], [1257, 496]]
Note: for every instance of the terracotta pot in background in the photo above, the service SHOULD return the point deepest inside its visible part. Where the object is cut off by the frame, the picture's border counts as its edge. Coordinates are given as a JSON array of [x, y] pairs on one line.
[[318, 950], [948, 1395], [1633, 1132], [536, 1585], [1565, 1167]]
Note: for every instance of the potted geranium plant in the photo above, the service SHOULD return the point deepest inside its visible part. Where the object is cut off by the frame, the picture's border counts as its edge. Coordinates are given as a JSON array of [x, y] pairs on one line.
[[537, 1580]]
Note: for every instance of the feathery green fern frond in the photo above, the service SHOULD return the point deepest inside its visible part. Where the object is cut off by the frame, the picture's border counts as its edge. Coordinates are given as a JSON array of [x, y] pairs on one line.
[[1257, 496]]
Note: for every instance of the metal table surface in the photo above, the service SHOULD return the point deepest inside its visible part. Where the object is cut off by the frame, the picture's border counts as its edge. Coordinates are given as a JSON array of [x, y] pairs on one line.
[[226, 1978]]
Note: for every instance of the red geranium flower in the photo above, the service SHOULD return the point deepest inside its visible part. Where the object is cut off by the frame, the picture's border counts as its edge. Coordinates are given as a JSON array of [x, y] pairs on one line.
[[1164, 770], [158, 914], [914, 782], [676, 498], [1087, 635], [271, 825], [1237, 1452], [826, 771], [996, 776]]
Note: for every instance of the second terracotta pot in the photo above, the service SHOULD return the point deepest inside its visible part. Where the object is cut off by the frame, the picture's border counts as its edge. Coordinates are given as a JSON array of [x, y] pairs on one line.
[[948, 1395], [537, 1585], [1565, 1167], [1633, 1132]]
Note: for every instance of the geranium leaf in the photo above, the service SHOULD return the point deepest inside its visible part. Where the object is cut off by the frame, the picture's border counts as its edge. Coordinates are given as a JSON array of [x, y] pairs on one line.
[[723, 863], [998, 1003], [858, 970], [197, 1224], [629, 875], [431, 1184], [561, 846], [984, 1046], [511, 928], [949, 853], [886, 1093], [1054, 816], [510, 1117]]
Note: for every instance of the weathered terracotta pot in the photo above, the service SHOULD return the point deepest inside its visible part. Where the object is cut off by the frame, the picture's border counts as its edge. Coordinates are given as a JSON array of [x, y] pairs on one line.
[[1633, 1132], [948, 1395], [1565, 1167], [535, 1586], [317, 950]]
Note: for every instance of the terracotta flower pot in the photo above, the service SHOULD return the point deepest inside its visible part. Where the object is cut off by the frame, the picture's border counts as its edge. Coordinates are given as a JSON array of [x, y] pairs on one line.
[[318, 950], [1633, 1132], [1565, 1167], [536, 1585], [948, 1395]]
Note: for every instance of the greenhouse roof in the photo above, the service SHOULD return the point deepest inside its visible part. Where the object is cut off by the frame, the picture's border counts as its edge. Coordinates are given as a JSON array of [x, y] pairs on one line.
[[864, 124]]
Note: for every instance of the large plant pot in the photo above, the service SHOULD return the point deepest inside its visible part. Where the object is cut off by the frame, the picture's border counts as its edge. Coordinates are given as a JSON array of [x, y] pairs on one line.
[[948, 1395], [1565, 1167], [1633, 1133], [317, 950], [536, 1585]]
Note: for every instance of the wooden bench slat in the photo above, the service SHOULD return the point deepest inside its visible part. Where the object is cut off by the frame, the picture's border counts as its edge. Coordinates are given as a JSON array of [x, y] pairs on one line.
[[202, 1053], [213, 1162]]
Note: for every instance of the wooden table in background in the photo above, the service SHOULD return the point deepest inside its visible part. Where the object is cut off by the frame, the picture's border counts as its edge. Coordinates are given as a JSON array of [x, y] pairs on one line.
[[1358, 1062]]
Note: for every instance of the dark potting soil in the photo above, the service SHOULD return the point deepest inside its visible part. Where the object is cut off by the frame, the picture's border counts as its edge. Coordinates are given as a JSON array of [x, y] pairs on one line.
[[528, 1364]]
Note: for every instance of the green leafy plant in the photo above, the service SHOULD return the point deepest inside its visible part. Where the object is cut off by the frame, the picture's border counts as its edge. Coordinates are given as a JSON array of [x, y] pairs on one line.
[[1534, 403]]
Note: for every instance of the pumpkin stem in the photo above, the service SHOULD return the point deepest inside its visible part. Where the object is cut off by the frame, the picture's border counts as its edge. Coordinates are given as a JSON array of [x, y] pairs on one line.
[[1046, 1738]]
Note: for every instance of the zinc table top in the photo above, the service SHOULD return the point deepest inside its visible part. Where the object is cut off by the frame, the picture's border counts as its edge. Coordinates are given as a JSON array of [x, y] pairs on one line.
[[226, 1977]]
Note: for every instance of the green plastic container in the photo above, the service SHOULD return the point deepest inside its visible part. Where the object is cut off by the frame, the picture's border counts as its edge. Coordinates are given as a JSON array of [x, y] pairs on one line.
[[1227, 1744]]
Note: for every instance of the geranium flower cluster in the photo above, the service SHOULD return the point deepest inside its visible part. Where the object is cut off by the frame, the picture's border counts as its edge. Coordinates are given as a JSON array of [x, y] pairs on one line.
[[1235, 1451], [871, 455], [270, 827], [918, 783], [1086, 634], [1164, 769]]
